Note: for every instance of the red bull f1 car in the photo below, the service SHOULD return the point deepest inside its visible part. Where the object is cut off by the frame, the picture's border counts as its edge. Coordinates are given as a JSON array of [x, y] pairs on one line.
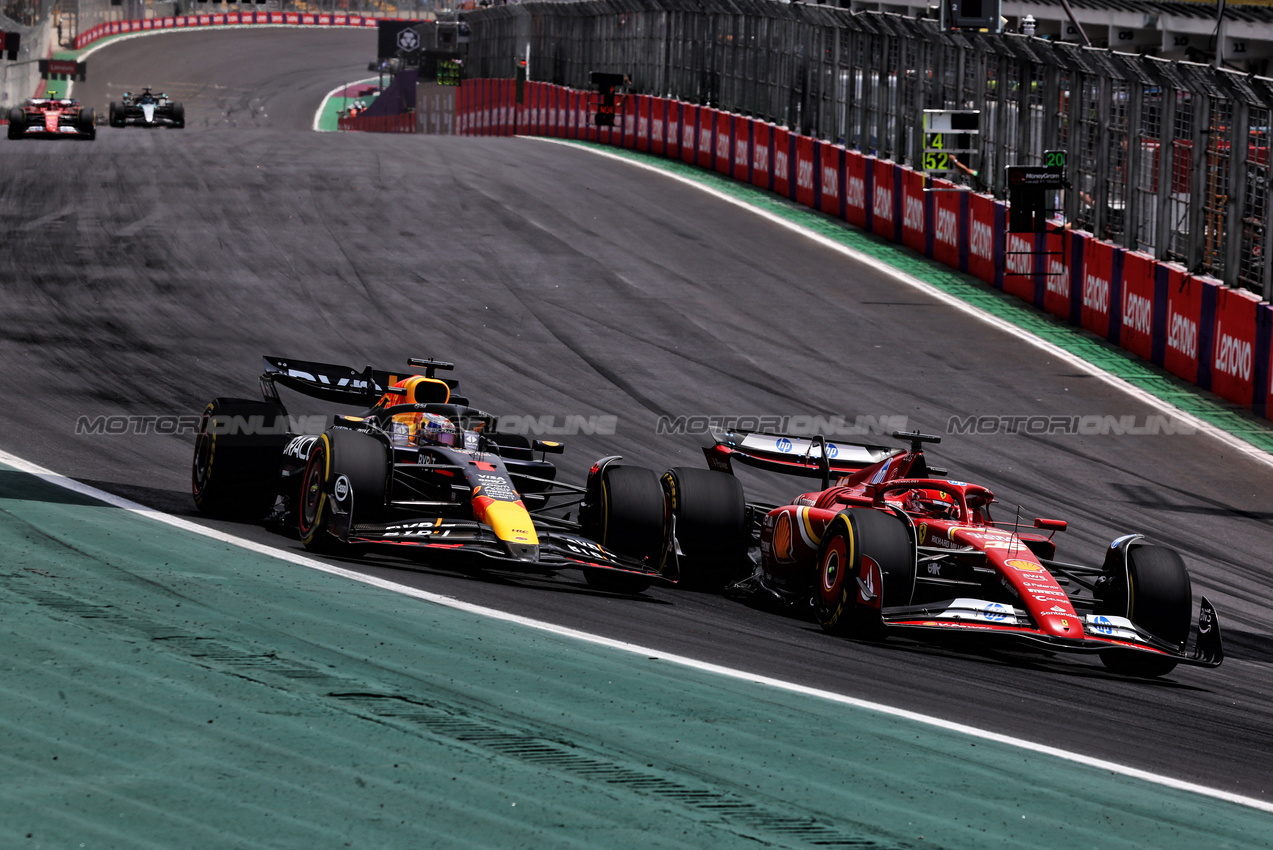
[[890, 545], [52, 116], [419, 472]]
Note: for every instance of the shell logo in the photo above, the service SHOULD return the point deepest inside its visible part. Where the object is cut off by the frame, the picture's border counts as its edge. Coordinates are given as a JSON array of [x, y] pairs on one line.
[[1026, 566], [782, 537]]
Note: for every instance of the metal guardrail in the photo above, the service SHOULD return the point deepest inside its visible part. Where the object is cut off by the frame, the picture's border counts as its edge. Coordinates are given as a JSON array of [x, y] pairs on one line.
[[1167, 158]]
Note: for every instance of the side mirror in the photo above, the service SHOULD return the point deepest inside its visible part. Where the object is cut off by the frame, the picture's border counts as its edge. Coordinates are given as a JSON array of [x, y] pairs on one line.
[[547, 446], [1051, 524]]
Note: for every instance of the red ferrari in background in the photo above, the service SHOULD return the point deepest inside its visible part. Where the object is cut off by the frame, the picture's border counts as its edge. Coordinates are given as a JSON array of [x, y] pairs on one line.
[[52, 116], [892, 547]]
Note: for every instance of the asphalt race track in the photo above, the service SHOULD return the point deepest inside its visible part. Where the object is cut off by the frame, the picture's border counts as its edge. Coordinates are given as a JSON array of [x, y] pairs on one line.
[[146, 272]]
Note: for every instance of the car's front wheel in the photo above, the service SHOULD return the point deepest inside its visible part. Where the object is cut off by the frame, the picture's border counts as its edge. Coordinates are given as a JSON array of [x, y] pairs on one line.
[[866, 563], [17, 122], [347, 471], [1150, 586]]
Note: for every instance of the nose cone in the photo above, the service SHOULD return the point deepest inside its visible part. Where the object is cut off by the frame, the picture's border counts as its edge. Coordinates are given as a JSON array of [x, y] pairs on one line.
[[1066, 625]]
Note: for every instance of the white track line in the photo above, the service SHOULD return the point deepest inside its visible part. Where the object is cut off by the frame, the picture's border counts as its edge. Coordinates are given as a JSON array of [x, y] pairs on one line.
[[323, 105], [635, 649], [1230, 440]]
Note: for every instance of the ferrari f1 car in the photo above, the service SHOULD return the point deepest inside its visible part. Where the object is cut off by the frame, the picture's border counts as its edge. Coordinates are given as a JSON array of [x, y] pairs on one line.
[[52, 116], [147, 109], [895, 547], [419, 472]]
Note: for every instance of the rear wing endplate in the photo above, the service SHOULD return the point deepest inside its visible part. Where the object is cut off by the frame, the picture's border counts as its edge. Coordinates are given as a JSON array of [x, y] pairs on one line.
[[792, 455], [331, 382]]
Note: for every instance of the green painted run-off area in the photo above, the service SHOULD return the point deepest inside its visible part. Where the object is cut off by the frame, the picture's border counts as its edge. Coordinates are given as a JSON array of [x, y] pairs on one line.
[[161, 689]]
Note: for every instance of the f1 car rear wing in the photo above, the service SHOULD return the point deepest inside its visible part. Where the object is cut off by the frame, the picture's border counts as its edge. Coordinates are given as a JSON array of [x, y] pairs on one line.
[[341, 384], [816, 457]]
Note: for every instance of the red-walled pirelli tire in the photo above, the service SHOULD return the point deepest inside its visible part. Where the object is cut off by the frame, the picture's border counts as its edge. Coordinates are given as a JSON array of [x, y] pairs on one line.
[[711, 526], [349, 469], [875, 547], [17, 122], [1151, 587], [238, 458], [630, 520]]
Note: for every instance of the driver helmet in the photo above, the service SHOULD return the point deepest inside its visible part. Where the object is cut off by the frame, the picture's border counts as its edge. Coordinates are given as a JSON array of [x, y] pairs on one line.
[[417, 429], [933, 503]]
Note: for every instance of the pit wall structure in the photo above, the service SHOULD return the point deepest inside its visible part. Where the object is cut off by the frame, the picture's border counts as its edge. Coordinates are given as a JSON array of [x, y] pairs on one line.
[[220, 19], [1193, 326]]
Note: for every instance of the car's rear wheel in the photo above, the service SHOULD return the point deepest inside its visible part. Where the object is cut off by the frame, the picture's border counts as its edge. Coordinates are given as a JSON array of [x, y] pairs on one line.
[[1152, 590], [178, 115], [346, 470], [711, 526], [115, 116], [238, 457], [17, 122], [875, 548], [629, 519]]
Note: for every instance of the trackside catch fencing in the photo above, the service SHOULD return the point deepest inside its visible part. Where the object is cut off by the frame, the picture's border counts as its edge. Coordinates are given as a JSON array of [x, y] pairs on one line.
[[298, 19], [1167, 158], [1191, 325]]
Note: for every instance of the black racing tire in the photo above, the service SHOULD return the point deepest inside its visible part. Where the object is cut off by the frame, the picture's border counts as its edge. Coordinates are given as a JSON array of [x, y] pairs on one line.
[[343, 465], [115, 115], [178, 115], [856, 538], [17, 122], [238, 458], [631, 519], [711, 526], [87, 123], [1155, 593]]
